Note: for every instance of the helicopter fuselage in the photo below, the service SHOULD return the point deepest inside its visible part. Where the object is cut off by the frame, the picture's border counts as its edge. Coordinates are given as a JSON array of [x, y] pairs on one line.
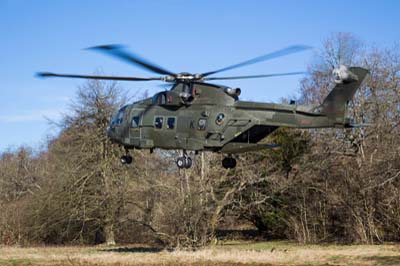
[[214, 120]]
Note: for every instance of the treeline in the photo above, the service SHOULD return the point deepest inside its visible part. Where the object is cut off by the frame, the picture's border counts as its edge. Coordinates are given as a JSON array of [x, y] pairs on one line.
[[330, 185]]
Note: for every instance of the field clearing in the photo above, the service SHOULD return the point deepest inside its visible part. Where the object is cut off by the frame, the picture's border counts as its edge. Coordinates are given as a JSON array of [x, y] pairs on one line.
[[229, 253]]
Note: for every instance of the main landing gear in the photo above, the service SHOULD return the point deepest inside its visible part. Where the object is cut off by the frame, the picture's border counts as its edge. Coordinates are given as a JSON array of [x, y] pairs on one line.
[[184, 161], [229, 162], [127, 158]]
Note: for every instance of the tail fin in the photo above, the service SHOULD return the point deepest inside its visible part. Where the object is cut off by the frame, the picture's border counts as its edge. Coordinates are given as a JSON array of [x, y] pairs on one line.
[[348, 81]]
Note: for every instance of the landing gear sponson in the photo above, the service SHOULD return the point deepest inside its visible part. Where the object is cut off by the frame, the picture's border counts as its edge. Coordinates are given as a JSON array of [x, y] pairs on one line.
[[184, 161]]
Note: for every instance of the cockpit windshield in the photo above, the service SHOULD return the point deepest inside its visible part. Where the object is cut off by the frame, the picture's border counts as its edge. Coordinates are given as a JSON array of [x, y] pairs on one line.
[[118, 117], [183, 87], [159, 98]]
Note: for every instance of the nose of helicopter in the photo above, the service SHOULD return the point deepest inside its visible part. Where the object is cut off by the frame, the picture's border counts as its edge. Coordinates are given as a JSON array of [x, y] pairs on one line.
[[110, 132]]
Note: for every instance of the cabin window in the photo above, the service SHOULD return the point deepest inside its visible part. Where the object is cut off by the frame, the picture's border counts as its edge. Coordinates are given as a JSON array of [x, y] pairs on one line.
[[135, 121], [171, 122], [158, 122], [202, 123]]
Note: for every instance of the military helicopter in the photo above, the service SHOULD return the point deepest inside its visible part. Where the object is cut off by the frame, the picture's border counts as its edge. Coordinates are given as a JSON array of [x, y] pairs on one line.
[[195, 115]]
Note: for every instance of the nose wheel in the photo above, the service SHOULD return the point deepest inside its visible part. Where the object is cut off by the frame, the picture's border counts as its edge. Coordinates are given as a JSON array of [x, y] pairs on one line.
[[229, 162], [184, 161], [127, 158]]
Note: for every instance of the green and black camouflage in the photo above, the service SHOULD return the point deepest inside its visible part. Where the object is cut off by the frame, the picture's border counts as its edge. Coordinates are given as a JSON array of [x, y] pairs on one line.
[[199, 116]]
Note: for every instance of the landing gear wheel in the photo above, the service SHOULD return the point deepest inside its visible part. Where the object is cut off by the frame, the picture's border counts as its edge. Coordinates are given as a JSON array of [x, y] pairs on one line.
[[126, 159], [129, 159], [229, 162], [188, 162], [184, 161], [181, 162]]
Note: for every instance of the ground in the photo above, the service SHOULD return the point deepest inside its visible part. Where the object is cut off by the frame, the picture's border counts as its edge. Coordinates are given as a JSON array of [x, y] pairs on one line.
[[228, 253]]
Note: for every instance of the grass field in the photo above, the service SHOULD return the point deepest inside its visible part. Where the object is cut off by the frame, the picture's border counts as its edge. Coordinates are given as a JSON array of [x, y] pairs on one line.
[[229, 253]]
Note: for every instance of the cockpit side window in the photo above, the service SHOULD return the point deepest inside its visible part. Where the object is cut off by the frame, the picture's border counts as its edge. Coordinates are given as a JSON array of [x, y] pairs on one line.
[[135, 121]]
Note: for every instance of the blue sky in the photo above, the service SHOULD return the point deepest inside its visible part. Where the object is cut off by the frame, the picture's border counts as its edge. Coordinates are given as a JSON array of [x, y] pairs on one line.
[[192, 36]]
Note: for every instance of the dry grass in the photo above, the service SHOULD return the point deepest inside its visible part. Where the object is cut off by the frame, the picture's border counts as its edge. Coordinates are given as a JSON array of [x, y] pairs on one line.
[[240, 253]]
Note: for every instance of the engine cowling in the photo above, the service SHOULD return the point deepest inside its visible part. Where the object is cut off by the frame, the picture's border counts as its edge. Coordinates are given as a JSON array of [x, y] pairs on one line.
[[233, 92]]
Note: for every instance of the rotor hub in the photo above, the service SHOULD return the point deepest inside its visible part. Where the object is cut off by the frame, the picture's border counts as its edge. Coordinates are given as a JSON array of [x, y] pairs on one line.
[[185, 76]]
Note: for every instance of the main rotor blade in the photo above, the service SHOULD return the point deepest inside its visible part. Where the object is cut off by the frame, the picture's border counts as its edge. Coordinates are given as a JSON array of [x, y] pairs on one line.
[[117, 51], [48, 74], [255, 76], [269, 56]]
